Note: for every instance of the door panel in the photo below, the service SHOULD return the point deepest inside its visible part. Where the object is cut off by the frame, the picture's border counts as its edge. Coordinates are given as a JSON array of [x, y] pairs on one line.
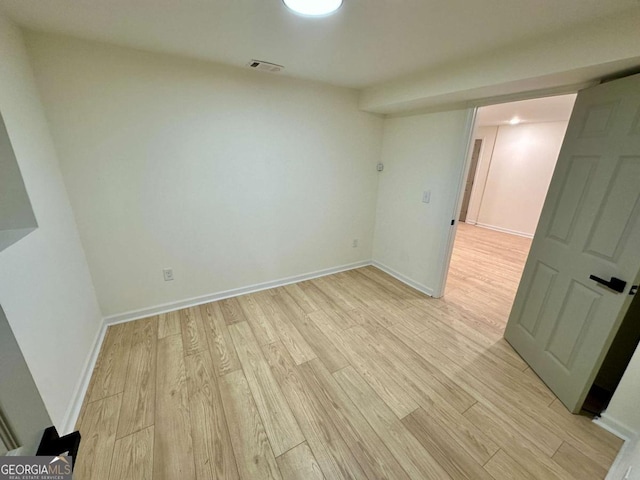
[[610, 232], [576, 184], [562, 322]]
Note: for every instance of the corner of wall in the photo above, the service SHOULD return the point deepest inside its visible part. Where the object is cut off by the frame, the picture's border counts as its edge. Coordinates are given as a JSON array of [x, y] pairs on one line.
[[45, 286]]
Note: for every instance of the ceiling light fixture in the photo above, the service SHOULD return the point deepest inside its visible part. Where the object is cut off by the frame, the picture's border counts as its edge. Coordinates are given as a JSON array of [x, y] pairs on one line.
[[514, 121], [313, 8]]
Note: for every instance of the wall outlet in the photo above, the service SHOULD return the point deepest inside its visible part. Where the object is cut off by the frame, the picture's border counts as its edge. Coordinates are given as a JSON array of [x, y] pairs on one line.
[[426, 196], [354, 244], [167, 273]]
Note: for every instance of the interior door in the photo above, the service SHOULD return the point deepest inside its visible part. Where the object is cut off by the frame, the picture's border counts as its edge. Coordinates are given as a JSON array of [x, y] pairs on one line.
[[563, 321]]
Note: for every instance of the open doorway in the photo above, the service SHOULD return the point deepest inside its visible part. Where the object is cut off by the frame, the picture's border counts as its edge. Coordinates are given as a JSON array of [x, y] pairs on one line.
[[514, 150], [512, 160]]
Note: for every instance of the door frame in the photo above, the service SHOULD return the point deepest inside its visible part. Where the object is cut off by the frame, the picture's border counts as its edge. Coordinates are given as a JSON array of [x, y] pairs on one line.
[[470, 126], [471, 176], [445, 262], [603, 420]]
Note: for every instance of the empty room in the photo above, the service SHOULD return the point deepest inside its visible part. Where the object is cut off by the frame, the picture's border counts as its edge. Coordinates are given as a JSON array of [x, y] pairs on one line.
[[319, 239]]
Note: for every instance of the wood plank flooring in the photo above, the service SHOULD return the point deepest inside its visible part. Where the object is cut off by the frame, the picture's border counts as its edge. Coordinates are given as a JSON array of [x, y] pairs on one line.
[[353, 375]]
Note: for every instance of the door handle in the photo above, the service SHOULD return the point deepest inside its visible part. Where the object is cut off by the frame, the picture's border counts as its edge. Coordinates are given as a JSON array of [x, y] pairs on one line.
[[614, 284]]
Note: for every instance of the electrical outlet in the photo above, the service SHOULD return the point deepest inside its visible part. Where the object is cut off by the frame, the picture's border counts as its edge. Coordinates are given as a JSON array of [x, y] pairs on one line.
[[354, 244], [167, 273], [426, 196]]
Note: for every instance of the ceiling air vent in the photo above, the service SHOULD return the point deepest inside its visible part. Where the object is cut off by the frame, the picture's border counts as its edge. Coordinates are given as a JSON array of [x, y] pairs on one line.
[[265, 66]]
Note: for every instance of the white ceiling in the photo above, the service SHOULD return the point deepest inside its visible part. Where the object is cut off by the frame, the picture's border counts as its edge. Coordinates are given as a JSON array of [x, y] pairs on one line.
[[549, 109], [366, 42]]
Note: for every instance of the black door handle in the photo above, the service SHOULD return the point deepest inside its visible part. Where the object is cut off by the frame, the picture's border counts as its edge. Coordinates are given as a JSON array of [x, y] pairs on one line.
[[614, 284]]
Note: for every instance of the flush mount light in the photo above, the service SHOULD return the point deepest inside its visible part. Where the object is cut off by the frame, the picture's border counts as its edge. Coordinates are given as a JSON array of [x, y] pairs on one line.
[[313, 8], [514, 121]]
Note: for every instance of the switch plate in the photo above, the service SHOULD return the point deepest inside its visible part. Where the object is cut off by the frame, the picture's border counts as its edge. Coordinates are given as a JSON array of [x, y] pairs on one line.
[[426, 196], [167, 273]]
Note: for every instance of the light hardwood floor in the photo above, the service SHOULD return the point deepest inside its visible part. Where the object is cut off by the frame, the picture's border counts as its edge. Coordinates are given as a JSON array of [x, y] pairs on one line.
[[353, 375]]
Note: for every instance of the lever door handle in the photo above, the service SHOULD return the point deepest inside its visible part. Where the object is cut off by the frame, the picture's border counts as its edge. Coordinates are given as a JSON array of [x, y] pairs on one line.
[[614, 284]]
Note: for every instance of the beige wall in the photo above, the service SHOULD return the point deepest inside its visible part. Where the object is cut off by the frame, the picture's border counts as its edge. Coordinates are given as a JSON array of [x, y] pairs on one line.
[[15, 209], [623, 415], [231, 177], [515, 184], [568, 57], [624, 404], [423, 152], [45, 287]]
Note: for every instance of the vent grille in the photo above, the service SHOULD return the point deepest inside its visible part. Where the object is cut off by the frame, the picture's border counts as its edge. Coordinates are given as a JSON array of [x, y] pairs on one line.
[[265, 66]]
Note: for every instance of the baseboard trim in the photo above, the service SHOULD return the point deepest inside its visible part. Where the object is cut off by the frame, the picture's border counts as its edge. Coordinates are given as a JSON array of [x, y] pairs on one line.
[[73, 412], [71, 417], [504, 230], [624, 461], [614, 426], [235, 292], [403, 278], [18, 452]]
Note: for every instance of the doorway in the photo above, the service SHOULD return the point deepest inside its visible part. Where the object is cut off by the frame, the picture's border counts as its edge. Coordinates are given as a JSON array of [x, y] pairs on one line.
[[514, 150], [551, 330]]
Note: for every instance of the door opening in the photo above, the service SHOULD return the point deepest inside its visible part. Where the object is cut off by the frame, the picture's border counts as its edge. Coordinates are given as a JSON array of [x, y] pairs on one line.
[[615, 362], [513, 154], [575, 329], [568, 308]]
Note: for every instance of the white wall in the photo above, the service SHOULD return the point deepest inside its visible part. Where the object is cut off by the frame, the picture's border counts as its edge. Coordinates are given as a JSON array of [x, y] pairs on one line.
[[231, 177], [488, 137], [423, 152], [45, 286], [623, 408], [15, 208], [518, 178], [623, 414], [570, 56]]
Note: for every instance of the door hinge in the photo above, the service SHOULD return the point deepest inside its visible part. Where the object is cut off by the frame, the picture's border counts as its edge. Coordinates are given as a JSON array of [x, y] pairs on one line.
[[453, 222]]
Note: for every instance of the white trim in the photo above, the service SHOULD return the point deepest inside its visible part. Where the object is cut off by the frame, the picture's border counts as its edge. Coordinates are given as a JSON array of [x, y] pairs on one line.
[[70, 418], [612, 425], [533, 94], [447, 251], [624, 461], [18, 452], [234, 292], [504, 230], [404, 279]]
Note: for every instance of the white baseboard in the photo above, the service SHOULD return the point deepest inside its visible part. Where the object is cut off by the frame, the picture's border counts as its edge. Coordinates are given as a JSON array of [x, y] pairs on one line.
[[614, 426], [625, 462], [404, 279], [18, 452], [235, 292], [83, 384], [504, 230], [71, 416]]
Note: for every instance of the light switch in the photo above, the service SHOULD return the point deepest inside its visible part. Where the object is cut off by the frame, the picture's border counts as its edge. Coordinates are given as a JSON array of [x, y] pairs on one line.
[[426, 196]]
